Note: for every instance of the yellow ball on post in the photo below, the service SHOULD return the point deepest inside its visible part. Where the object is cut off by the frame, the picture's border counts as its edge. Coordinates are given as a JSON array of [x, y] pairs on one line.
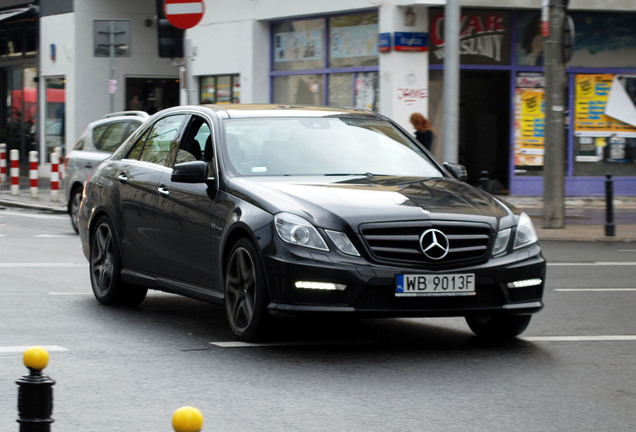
[[187, 419], [36, 358]]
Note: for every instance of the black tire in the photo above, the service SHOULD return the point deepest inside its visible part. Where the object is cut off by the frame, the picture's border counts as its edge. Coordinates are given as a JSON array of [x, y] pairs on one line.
[[246, 293], [105, 268], [73, 206], [498, 327]]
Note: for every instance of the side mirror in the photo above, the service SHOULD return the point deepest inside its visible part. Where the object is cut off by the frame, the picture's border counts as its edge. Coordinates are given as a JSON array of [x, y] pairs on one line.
[[190, 172], [458, 171]]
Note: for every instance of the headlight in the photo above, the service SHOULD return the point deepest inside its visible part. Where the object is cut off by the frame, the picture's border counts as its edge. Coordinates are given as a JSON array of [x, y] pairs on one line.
[[342, 242], [296, 230], [501, 243], [526, 235]]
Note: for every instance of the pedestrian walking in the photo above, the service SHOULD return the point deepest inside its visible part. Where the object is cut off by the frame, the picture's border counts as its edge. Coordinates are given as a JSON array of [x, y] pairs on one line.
[[423, 130]]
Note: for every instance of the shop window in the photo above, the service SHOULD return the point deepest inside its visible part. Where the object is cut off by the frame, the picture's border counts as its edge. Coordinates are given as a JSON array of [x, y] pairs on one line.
[[19, 124], [529, 139], [604, 125], [220, 89], [602, 40], [55, 113], [298, 45], [299, 89], [353, 40], [326, 61], [359, 90], [151, 94]]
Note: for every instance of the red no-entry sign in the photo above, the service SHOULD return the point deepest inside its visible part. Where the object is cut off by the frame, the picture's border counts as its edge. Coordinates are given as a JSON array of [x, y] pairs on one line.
[[183, 14]]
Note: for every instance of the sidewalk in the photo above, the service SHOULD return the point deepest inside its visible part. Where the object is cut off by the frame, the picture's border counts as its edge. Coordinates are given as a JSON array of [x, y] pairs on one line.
[[584, 217]]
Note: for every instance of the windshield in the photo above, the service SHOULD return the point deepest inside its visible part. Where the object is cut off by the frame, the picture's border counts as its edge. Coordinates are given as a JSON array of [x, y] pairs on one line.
[[323, 146]]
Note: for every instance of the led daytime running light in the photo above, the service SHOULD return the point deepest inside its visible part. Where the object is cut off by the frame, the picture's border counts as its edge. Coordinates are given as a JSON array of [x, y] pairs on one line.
[[525, 283]]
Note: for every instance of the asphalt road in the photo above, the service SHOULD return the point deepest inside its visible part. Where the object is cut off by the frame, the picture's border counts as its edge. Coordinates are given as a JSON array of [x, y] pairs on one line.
[[123, 370]]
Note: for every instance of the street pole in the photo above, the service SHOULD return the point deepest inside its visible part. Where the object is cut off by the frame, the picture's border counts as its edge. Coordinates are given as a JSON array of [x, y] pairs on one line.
[[111, 52], [451, 81], [555, 101]]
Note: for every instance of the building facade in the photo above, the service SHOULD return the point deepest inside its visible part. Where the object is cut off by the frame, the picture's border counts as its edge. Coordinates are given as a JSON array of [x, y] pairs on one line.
[[375, 54]]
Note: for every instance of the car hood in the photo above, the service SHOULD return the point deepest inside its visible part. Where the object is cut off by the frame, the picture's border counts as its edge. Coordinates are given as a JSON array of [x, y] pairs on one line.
[[356, 200]]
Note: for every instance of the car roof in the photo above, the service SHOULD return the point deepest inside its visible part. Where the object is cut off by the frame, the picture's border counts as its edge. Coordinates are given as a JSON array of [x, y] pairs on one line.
[[141, 114], [117, 117], [273, 110]]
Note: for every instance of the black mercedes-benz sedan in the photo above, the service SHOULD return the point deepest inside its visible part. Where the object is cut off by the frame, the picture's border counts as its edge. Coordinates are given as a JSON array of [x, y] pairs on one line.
[[275, 210]]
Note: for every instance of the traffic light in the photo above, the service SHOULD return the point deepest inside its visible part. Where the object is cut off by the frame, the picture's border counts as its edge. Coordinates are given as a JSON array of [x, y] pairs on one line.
[[169, 38]]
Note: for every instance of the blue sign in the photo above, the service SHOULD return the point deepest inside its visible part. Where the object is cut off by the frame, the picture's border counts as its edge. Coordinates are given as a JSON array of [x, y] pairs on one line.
[[411, 41], [384, 42]]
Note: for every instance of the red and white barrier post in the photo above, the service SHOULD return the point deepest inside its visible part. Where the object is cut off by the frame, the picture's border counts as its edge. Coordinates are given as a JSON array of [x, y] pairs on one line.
[[60, 167], [3, 162], [14, 155], [33, 173], [55, 176]]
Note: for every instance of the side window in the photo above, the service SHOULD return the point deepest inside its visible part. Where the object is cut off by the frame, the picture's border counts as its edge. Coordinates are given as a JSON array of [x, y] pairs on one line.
[[160, 139], [98, 132], [135, 151], [80, 143], [196, 143], [113, 136]]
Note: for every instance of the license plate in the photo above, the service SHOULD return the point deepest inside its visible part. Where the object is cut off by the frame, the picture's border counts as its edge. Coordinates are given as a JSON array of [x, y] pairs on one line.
[[423, 285]]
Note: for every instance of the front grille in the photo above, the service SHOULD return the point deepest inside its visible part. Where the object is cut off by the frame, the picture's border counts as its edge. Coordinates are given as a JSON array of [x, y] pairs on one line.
[[394, 243]]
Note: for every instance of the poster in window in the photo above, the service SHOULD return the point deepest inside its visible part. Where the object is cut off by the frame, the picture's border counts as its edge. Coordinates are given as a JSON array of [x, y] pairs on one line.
[[529, 121]]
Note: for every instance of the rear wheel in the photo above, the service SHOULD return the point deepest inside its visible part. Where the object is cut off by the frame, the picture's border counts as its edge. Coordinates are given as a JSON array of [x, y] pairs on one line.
[[105, 268], [498, 326], [73, 206], [245, 292]]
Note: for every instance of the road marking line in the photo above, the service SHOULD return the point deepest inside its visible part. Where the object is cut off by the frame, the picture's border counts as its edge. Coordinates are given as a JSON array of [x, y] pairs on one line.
[[42, 265], [55, 235], [18, 349], [594, 289], [602, 338], [238, 344], [32, 215], [70, 293], [579, 338], [599, 263]]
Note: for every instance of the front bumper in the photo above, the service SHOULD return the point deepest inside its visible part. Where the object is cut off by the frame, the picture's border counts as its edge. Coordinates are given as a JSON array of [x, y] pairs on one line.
[[369, 289]]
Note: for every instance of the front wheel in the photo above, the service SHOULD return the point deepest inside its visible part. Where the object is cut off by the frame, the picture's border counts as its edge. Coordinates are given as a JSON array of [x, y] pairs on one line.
[[245, 292], [105, 268], [499, 327], [73, 206]]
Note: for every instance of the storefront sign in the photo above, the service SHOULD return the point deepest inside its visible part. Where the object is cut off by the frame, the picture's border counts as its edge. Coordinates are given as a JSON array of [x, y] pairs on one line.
[[411, 41], [484, 37], [384, 42]]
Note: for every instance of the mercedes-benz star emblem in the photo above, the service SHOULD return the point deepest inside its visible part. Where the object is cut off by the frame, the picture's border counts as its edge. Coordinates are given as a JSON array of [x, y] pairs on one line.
[[434, 244]]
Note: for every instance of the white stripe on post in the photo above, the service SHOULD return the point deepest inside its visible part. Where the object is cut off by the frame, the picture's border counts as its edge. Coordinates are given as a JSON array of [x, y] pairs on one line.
[[3, 162], [55, 176], [33, 173], [15, 171]]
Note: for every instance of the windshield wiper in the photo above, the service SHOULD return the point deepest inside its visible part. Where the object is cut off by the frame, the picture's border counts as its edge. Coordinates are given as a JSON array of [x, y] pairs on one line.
[[366, 174]]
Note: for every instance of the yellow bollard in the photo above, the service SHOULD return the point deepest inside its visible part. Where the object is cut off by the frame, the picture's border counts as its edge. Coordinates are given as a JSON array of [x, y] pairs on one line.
[[36, 358], [187, 419], [35, 393]]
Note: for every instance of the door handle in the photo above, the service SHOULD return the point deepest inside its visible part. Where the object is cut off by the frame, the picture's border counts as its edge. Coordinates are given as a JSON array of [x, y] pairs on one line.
[[123, 178], [163, 190]]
